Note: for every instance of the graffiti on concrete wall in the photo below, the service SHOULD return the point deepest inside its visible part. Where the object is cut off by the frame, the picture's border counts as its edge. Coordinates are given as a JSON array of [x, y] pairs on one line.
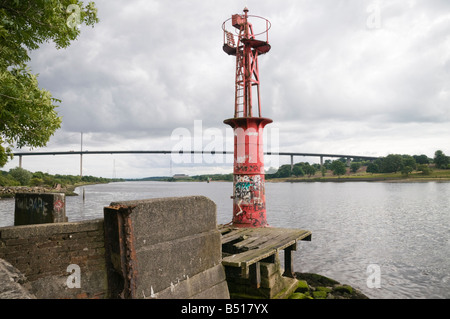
[[38, 208], [32, 204], [58, 205]]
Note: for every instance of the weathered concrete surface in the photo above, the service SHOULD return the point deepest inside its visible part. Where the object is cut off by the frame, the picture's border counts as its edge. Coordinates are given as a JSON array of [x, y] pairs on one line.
[[209, 284], [40, 208], [11, 283], [44, 252], [273, 284], [164, 248]]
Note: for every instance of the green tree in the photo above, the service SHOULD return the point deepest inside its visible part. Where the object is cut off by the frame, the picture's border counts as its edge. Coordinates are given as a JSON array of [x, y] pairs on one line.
[[441, 160], [283, 171], [421, 159], [7, 180], [298, 171], [327, 164], [338, 167], [424, 168], [323, 170], [354, 167], [35, 181], [27, 112], [410, 161], [310, 170], [372, 168], [406, 170], [21, 175], [391, 163]]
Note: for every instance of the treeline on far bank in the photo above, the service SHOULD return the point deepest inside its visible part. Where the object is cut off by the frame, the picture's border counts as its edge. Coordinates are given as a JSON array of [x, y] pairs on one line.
[[22, 177], [392, 163]]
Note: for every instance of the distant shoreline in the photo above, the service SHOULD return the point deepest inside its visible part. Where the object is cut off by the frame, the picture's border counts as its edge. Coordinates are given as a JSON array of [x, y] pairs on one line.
[[10, 191], [359, 179]]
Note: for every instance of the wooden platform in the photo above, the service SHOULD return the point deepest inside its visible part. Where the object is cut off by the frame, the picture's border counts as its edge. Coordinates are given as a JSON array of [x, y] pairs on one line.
[[246, 247]]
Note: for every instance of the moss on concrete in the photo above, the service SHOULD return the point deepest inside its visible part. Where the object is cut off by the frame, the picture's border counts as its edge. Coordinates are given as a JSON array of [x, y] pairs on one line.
[[302, 286], [315, 286], [299, 295]]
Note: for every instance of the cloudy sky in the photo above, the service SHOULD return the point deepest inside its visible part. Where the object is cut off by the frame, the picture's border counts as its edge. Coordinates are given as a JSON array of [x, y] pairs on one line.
[[361, 77]]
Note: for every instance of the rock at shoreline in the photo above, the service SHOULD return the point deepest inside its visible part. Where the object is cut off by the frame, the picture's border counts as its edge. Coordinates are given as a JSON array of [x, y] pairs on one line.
[[314, 286], [10, 191], [11, 283]]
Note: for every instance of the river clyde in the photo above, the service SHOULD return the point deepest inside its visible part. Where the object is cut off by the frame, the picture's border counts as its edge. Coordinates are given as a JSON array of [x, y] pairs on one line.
[[401, 230]]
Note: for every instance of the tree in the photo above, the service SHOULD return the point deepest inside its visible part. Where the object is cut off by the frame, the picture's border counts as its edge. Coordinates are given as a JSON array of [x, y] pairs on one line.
[[441, 160], [327, 164], [421, 159], [391, 163], [354, 167], [406, 170], [310, 170], [424, 168], [372, 168], [285, 171], [297, 171], [21, 175], [410, 161], [27, 112], [338, 167]]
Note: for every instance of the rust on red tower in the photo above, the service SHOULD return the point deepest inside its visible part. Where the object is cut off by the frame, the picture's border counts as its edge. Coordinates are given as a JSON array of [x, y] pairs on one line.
[[246, 38]]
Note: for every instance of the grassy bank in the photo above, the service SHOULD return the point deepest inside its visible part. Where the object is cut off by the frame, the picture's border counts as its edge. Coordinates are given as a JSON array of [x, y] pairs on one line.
[[19, 180], [68, 190], [435, 175]]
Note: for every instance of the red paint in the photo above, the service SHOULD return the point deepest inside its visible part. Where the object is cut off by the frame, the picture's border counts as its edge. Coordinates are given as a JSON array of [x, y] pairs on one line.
[[249, 201], [58, 205]]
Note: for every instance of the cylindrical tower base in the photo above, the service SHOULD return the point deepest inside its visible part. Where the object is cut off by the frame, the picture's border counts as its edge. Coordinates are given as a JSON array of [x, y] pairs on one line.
[[249, 200]]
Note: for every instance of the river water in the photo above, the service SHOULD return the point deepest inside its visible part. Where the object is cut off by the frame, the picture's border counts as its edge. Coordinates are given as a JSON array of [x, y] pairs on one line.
[[389, 240]]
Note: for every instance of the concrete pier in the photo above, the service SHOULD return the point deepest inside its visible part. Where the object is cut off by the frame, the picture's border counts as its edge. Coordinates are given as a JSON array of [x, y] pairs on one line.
[[164, 248], [39, 208]]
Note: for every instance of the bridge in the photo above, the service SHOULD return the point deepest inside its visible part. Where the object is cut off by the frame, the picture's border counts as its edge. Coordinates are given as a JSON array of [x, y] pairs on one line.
[[291, 154]]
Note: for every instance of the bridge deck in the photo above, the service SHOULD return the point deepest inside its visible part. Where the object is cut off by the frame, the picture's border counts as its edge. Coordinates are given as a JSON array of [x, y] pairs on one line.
[[182, 152]]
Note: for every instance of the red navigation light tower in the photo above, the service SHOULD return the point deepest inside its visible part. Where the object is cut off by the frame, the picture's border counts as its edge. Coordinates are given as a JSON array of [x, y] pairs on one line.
[[249, 201]]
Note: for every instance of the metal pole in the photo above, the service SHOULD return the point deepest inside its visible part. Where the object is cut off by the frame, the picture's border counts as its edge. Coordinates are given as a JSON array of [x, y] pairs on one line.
[[81, 156], [292, 164]]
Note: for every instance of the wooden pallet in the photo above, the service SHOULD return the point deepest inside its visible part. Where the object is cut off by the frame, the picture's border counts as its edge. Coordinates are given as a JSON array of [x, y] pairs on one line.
[[246, 247]]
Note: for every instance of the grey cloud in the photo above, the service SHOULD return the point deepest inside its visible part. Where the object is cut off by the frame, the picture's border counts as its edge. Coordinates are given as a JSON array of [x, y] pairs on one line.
[[149, 67]]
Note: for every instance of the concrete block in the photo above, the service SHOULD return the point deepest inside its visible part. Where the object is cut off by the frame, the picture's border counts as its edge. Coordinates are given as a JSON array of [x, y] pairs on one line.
[[39, 208], [165, 219], [209, 284], [165, 264], [153, 245]]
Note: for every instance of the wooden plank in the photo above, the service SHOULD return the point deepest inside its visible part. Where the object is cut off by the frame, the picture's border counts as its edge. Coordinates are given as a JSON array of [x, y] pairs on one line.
[[257, 275], [261, 243], [288, 263], [255, 239], [249, 257], [232, 261], [266, 239], [246, 243], [276, 238], [234, 235], [223, 229]]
